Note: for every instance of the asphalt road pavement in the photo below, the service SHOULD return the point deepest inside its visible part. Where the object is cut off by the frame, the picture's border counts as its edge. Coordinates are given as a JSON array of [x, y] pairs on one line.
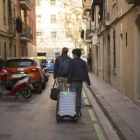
[[34, 119]]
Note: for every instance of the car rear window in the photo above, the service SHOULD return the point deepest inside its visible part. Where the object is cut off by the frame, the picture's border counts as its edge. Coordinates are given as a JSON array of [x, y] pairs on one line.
[[46, 61], [16, 63]]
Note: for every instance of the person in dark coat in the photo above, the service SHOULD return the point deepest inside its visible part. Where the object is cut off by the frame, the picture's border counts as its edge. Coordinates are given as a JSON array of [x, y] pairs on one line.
[[77, 74], [1, 63], [61, 69], [89, 62]]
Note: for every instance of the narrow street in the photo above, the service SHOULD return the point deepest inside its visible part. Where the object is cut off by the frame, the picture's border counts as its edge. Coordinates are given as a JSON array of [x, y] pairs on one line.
[[34, 119]]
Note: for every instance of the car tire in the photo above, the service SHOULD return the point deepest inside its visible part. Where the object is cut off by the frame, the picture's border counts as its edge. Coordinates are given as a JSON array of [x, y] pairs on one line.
[[44, 85], [39, 89]]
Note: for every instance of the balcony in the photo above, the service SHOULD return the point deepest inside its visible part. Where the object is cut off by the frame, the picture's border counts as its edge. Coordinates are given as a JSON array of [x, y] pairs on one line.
[[26, 4], [27, 33]]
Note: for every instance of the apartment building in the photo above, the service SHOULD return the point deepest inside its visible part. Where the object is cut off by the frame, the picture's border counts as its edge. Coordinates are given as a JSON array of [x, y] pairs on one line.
[[115, 29], [52, 36], [17, 28], [8, 39], [26, 15]]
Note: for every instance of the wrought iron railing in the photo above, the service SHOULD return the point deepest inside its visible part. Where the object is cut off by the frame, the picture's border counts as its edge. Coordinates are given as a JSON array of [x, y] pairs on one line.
[[27, 32]]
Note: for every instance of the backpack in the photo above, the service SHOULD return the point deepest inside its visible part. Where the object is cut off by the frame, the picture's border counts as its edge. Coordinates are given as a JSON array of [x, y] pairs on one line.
[[63, 66]]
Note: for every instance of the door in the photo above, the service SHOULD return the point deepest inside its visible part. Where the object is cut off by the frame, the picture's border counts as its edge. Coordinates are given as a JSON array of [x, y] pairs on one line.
[[108, 60], [121, 62]]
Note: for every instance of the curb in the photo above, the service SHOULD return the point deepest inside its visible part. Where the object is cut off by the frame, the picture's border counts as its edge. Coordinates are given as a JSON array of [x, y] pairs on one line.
[[123, 130]]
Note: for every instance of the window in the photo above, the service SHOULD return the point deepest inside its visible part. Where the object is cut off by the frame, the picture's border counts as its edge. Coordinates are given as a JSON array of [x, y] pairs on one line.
[[9, 9], [22, 15], [4, 12], [126, 39], [15, 50], [114, 49], [107, 10], [38, 16], [38, 33], [5, 52], [14, 12], [53, 35], [67, 35], [52, 2], [53, 18], [16, 63]]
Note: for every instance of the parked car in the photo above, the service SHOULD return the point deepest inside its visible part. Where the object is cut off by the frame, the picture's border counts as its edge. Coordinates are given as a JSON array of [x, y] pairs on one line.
[[27, 66], [48, 63]]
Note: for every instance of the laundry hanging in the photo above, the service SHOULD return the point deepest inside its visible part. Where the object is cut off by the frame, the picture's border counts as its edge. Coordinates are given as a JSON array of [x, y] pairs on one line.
[[19, 25], [82, 33], [100, 3]]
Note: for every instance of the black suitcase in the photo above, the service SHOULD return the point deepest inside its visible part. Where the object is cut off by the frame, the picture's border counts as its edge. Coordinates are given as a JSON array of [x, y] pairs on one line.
[[67, 106]]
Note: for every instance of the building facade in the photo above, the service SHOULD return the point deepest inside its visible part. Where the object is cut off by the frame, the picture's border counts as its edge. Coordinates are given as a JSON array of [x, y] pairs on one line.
[[26, 12], [115, 41], [8, 39], [52, 36], [17, 28]]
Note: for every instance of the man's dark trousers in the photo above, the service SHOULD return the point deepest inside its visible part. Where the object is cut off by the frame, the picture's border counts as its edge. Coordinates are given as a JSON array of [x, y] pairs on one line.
[[77, 87]]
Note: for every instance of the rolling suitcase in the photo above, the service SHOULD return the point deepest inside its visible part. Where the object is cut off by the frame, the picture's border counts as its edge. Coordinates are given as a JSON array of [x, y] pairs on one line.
[[67, 106]]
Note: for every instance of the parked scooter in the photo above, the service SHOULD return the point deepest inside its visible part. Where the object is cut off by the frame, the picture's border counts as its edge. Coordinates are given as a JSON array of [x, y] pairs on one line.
[[19, 86]]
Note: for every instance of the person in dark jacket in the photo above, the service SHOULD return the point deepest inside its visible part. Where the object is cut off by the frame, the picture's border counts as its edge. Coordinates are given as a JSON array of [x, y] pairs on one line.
[[1, 63], [89, 62], [77, 74], [61, 69]]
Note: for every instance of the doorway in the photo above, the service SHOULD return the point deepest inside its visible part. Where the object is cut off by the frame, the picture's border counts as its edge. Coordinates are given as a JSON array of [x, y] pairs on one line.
[[121, 62], [108, 60], [97, 61]]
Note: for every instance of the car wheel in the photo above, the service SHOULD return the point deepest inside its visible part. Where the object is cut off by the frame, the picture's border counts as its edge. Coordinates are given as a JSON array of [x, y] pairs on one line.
[[44, 85], [26, 92], [39, 88]]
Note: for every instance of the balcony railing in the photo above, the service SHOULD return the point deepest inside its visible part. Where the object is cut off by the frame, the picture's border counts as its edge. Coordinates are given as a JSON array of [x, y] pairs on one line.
[[133, 1], [27, 33], [26, 4]]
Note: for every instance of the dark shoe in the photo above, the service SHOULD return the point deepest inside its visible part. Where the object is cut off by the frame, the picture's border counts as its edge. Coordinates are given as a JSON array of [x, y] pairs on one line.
[[80, 113]]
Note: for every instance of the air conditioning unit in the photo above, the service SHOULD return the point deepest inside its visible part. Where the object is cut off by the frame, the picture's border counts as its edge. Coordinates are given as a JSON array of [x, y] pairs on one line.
[[95, 41], [106, 23]]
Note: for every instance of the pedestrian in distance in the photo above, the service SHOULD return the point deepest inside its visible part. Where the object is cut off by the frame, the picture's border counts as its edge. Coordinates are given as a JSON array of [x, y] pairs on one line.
[[61, 69], [77, 74], [1, 63], [89, 62]]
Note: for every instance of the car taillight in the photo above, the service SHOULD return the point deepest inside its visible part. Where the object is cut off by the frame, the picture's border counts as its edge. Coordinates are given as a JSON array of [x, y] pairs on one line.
[[34, 69], [52, 61]]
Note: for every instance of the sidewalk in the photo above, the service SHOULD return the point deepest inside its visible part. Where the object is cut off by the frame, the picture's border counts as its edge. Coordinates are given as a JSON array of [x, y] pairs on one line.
[[123, 114]]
